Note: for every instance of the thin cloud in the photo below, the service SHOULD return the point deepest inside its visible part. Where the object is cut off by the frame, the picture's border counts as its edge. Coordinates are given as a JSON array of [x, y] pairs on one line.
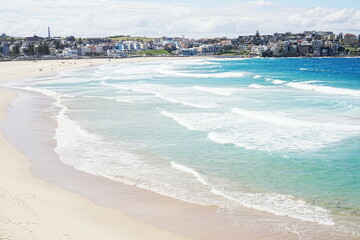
[[260, 3], [86, 18]]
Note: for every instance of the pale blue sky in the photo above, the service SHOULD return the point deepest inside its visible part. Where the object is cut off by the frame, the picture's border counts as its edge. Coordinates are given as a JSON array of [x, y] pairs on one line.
[[193, 18], [288, 3]]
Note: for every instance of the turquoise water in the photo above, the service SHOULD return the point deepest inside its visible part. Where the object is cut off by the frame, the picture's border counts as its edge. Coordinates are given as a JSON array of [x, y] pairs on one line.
[[278, 135]]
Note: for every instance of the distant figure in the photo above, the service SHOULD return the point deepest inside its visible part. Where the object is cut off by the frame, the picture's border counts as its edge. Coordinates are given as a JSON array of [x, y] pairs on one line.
[[40, 69]]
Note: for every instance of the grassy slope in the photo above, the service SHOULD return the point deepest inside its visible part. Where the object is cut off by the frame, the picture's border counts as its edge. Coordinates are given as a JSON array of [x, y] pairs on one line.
[[145, 39], [151, 52], [11, 38]]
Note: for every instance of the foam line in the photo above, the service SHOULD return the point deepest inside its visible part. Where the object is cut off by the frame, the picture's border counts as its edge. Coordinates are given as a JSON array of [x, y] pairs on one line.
[[324, 89]]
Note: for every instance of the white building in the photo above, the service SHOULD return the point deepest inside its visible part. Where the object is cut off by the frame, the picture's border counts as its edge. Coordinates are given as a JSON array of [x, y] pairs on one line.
[[68, 52], [116, 53], [84, 51], [258, 50]]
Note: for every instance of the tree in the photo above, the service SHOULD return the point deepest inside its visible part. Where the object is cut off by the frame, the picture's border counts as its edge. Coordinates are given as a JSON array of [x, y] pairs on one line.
[[267, 53], [57, 44], [39, 50], [80, 41], [169, 47], [45, 49], [225, 49], [16, 50], [70, 39], [31, 49]]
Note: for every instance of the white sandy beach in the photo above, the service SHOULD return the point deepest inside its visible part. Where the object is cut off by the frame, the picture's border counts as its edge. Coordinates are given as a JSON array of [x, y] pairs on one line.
[[31, 208]]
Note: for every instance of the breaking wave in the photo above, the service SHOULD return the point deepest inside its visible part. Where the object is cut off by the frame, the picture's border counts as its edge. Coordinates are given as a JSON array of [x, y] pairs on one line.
[[324, 89]]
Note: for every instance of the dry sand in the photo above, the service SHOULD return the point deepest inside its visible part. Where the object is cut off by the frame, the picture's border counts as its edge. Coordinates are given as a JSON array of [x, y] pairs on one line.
[[31, 208]]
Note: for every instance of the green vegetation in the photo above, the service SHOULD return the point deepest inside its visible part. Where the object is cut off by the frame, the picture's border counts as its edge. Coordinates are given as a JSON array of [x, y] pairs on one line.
[[150, 52], [31, 49], [231, 50], [234, 53], [11, 38], [16, 50], [42, 49], [355, 51], [229, 54], [58, 44], [128, 38]]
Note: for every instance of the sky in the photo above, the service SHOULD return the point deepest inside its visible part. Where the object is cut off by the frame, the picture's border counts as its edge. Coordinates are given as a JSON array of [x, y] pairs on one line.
[[192, 18]]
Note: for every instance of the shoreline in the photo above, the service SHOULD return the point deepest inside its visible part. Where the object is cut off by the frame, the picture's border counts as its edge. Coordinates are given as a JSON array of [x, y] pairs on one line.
[[184, 219]]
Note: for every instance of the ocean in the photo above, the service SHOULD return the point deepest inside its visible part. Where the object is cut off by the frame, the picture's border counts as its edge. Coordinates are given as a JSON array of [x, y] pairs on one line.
[[281, 136]]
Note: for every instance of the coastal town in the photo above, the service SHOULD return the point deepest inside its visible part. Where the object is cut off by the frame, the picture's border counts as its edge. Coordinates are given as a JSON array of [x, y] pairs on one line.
[[306, 44]]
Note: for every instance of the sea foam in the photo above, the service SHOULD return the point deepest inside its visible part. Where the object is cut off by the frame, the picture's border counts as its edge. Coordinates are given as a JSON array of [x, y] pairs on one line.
[[276, 81], [256, 86], [291, 122], [218, 90], [324, 89], [179, 95], [278, 204], [174, 72]]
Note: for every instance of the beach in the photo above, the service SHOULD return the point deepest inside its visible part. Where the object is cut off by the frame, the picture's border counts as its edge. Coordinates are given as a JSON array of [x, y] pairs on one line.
[[144, 183], [63, 207]]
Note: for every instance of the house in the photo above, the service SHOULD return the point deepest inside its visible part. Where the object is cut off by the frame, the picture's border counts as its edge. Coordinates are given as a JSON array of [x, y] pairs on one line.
[[243, 47], [33, 39], [258, 50], [5, 48], [349, 39], [305, 48], [186, 51], [85, 51], [116, 53], [70, 52], [317, 45]]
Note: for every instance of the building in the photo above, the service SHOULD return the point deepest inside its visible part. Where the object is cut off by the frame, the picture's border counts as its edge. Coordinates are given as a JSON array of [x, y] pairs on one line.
[[294, 49], [335, 46], [258, 50], [305, 48], [116, 53], [349, 39], [186, 51], [71, 53], [85, 51], [33, 39], [317, 46], [5, 48], [243, 47]]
